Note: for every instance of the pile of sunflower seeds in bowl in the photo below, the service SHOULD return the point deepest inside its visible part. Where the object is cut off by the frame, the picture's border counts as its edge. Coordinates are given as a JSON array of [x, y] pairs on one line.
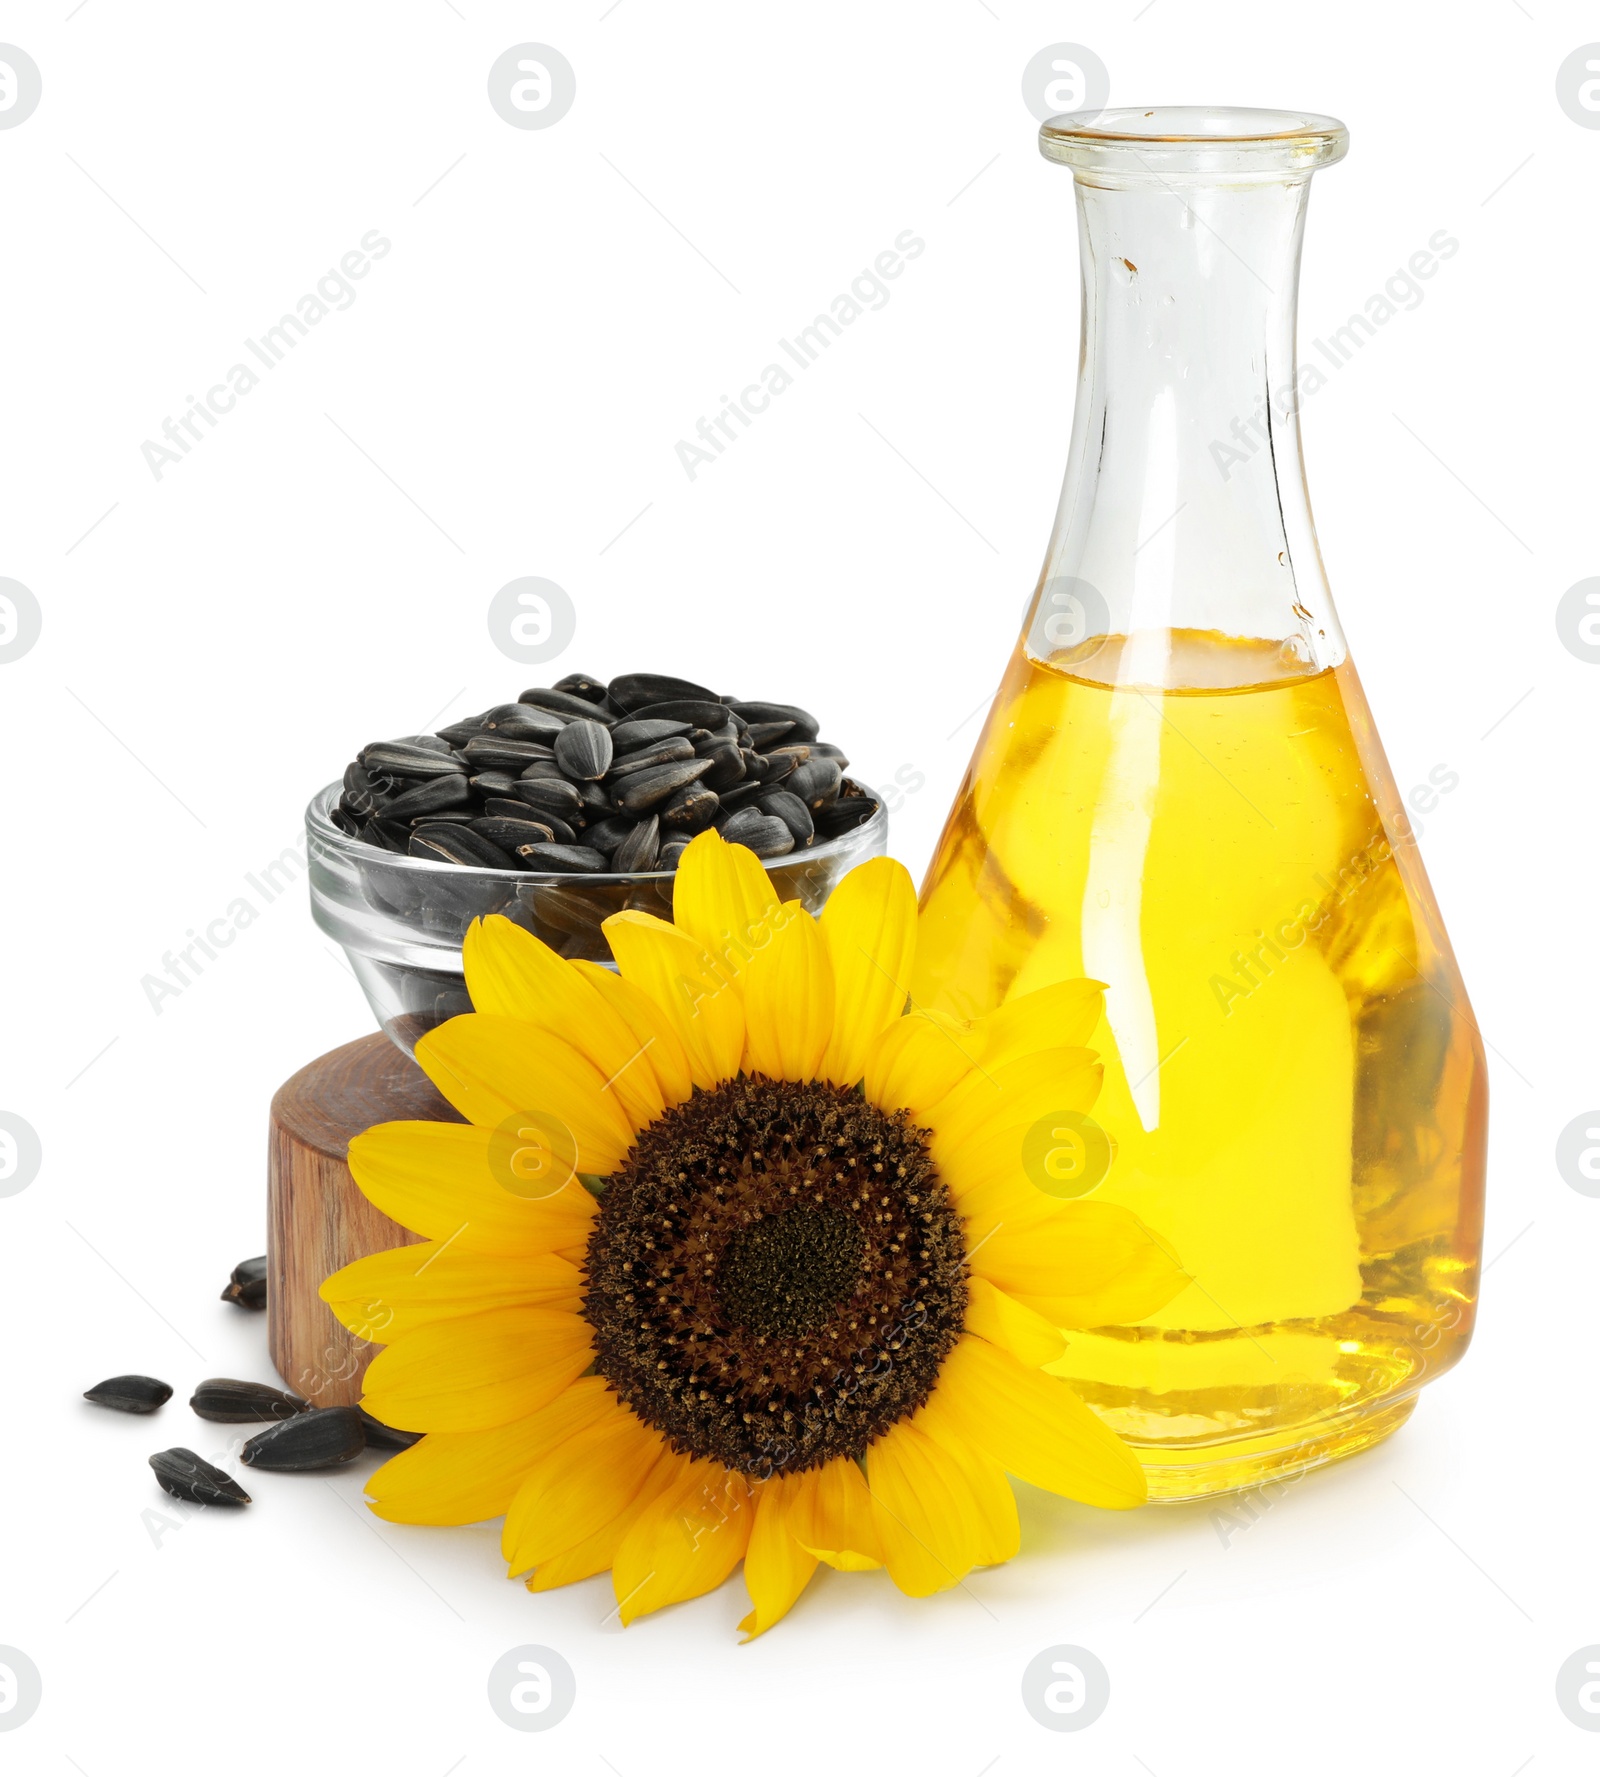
[[586, 776]]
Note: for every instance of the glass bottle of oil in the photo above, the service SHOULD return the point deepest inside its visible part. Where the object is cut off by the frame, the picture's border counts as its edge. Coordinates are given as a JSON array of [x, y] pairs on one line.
[[1179, 792]]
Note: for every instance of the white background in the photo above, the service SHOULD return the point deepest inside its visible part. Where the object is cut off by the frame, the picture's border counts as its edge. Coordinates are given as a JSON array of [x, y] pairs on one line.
[[559, 307]]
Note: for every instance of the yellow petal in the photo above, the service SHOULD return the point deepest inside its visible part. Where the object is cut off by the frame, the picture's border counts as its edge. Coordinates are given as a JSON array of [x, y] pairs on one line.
[[701, 1004], [440, 1180], [465, 1477], [831, 1516], [389, 1294], [1080, 1264], [980, 1125], [1035, 1427], [915, 1061], [652, 1030], [1003, 1321], [930, 1525], [478, 1370], [596, 1553], [512, 974], [1057, 1017], [575, 1490], [776, 1568], [870, 922], [788, 999], [685, 1542], [997, 1530], [493, 1068], [724, 900]]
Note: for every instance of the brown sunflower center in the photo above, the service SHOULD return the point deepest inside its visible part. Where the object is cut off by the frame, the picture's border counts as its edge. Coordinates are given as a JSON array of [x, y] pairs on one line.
[[776, 1274]]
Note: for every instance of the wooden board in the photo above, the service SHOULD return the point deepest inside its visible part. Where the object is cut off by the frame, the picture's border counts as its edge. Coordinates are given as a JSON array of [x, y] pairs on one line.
[[317, 1220]]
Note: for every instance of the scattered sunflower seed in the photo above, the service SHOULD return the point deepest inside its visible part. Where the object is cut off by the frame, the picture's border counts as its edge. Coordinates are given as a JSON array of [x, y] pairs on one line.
[[386, 1437], [247, 1286], [191, 1477], [130, 1394], [228, 1402], [324, 1437]]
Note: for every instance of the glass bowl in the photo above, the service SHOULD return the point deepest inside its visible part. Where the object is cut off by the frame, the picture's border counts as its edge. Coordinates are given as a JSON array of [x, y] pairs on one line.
[[400, 920]]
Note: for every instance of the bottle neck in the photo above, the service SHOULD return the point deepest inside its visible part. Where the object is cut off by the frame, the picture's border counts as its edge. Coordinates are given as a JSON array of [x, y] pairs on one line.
[[1184, 507]]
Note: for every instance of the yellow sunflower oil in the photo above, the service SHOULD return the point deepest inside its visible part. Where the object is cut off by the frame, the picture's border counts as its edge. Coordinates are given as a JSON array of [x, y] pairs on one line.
[[1294, 1086]]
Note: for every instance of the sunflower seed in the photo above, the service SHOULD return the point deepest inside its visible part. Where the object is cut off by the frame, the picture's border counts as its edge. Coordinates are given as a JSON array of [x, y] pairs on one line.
[[581, 685], [766, 734], [696, 712], [568, 910], [554, 794], [634, 692], [670, 854], [373, 834], [791, 811], [130, 1394], [495, 752], [562, 857], [459, 733], [228, 1402], [561, 831], [459, 845], [346, 823], [661, 752], [507, 807], [510, 834], [815, 781], [562, 703], [844, 816], [628, 736], [829, 751], [638, 851], [727, 766], [596, 801], [429, 797], [494, 783], [455, 817], [247, 1284], [608, 833], [742, 795], [360, 793], [764, 834], [521, 721], [398, 759], [191, 1477], [324, 1437], [386, 1437], [691, 810], [583, 749], [643, 790], [805, 724]]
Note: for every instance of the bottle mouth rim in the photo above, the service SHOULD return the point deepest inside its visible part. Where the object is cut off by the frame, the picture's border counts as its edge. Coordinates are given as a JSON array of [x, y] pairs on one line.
[[1160, 139]]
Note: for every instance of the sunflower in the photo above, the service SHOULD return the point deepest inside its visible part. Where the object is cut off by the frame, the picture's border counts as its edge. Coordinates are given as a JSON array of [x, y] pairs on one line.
[[736, 1259]]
